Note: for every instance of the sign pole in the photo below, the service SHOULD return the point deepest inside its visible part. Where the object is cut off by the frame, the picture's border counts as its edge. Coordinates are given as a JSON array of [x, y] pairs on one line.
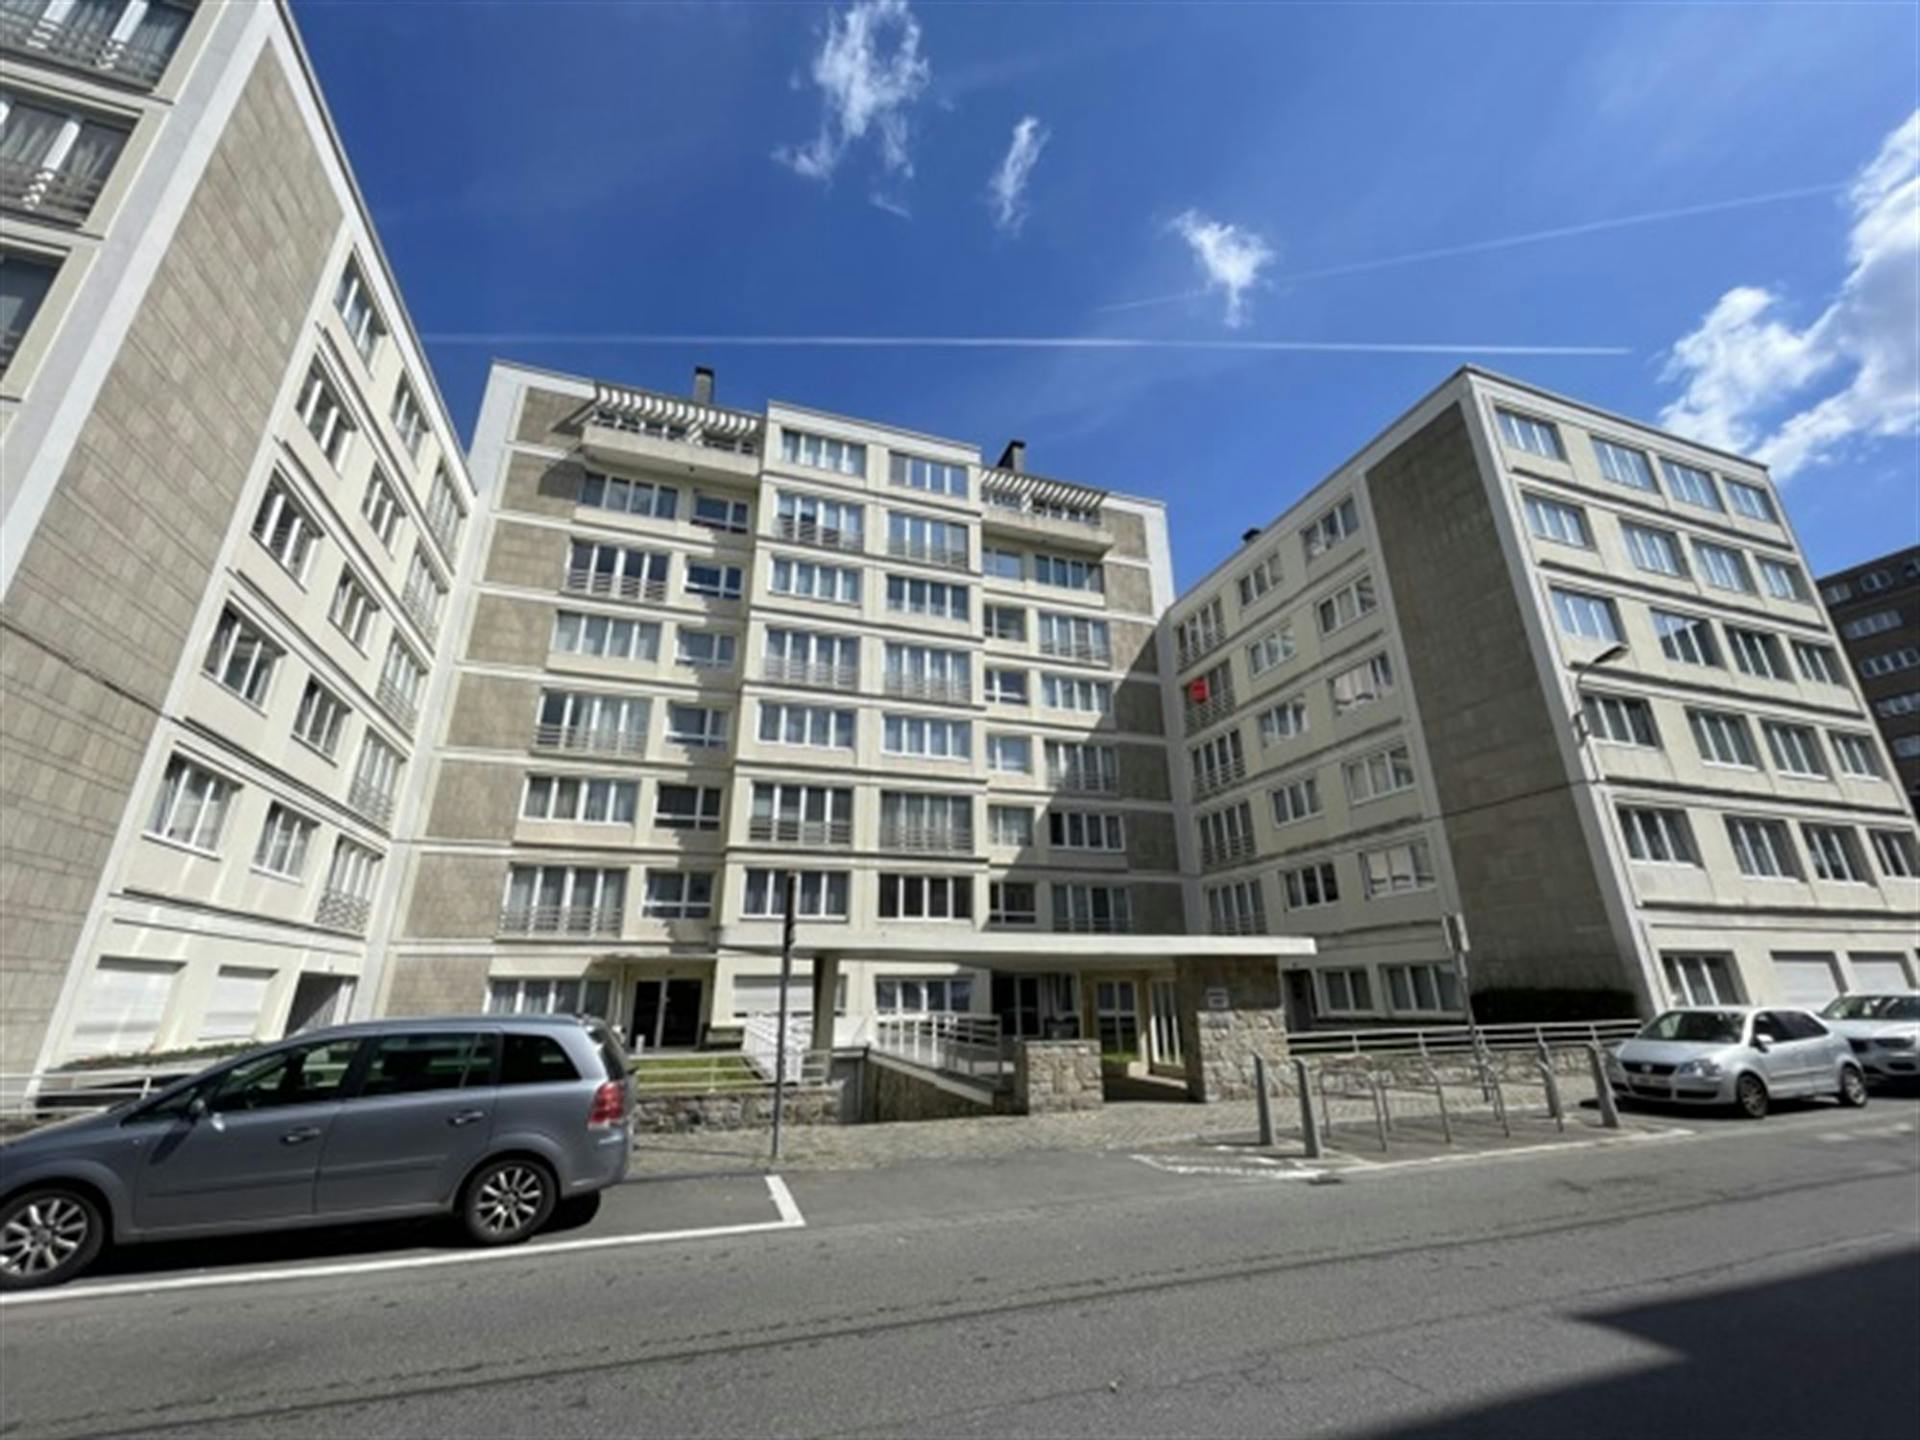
[[1455, 925], [780, 1037]]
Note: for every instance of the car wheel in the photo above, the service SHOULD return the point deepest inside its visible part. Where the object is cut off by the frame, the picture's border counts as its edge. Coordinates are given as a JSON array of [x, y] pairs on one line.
[[507, 1200], [47, 1236], [1853, 1087], [1750, 1095]]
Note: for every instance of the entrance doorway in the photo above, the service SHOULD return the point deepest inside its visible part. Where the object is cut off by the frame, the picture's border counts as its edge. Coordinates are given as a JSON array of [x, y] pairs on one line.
[[319, 1000], [1116, 1016], [666, 1015], [1299, 1013], [1037, 1007], [1163, 1020]]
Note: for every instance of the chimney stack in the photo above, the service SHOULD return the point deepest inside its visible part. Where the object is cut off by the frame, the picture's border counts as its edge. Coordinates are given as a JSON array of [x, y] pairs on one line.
[[1014, 457], [1249, 536], [702, 385]]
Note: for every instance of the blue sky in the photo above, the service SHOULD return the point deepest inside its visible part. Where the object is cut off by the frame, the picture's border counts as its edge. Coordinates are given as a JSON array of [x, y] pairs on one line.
[[548, 175]]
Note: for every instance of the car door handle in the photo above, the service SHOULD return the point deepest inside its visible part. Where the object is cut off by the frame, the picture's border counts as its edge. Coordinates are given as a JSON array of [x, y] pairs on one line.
[[301, 1135], [466, 1117]]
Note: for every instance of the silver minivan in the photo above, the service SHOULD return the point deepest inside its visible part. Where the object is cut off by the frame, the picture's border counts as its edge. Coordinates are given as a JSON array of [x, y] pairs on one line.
[[495, 1119]]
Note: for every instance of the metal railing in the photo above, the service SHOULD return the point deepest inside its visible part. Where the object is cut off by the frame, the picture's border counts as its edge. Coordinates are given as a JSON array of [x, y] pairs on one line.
[[590, 740], [810, 672], [444, 527], [812, 532], [760, 1044], [1186, 653], [47, 192], [1434, 1040], [950, 557], [1215, 707], [560, 919], [1225, 852], [960, 1044], [397, 703], [342, 910], [1093, 924], [613, 418], [1254, 924], [46, 1094], [928, 687], [817, 833], [1072, 777], [581, 580], [1077, 650], [1220, 777], [422, 605], [926, 839], [64, 41], [371, 801]]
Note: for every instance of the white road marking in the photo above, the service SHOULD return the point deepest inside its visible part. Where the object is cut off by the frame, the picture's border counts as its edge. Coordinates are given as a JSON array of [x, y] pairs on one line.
[[790, 1219], [1836, 1137], [1174, 1168]]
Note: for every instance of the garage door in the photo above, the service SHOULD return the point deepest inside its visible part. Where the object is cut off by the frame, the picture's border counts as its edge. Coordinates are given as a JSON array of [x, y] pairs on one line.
[[1808, 981], [1877, 974]]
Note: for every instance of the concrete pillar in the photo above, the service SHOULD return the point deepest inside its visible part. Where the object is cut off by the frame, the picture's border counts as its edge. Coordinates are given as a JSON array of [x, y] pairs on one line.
[[1230, 1011], [826, 983]]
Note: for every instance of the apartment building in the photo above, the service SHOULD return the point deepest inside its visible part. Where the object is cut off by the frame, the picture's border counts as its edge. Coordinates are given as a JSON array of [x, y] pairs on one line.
[[1876, 609], [709, 646], [233, 515], [1563, 675]]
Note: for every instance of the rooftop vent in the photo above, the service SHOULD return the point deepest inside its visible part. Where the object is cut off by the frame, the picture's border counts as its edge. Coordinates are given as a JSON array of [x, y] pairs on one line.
[[1014, 457], [702, 385]]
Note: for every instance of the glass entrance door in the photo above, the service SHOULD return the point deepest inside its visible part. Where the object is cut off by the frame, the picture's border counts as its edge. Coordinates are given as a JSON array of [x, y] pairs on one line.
[[1116, 1013], [666, 1015]]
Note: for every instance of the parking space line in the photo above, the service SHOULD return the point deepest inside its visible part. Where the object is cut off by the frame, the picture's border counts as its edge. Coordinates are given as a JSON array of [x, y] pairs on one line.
[[783, 1203]]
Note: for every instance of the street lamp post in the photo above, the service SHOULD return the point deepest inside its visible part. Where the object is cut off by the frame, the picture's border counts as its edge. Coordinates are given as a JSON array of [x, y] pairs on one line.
[[1613, 652]]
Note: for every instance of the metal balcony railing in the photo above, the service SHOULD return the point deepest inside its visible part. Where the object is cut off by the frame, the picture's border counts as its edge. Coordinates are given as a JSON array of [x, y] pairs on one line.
[[632, 423], [1190, 651], [812, 532], [1073, 777], [1077, 650], [444, 527], [950, 557], [583, 581], [810, 672], [340, 910], [1255, 924], [1212, 782], [1093, 924], [560, 919], [1225, 852], [371, 801], [48, 194], [1215, 707], [817, 834], [68, 40], [926, 839], [590, 740], [397, 703], [928, 687], [959, 1044]]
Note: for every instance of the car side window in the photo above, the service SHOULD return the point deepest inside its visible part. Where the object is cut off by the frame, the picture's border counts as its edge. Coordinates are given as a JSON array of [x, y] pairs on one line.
[[298, 1075], [410, 1064], [534, 1060], [1802, 1026], [1767, 1026]]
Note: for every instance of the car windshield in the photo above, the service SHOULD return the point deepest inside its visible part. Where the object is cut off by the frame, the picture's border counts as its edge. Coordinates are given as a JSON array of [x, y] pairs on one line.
[[1874, 1007], [1716, 1027]]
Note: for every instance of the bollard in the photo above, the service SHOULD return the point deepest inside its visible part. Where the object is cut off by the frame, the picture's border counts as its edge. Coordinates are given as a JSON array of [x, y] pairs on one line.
[[1263, 1099], [1309, 1122], [1603, 1089], [1553, 1095], [1379, 1110], [1446, 1125]]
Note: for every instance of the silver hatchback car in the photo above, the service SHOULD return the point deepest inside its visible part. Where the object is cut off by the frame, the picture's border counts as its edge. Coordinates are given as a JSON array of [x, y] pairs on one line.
[[1735, 1055], [496, 1119]]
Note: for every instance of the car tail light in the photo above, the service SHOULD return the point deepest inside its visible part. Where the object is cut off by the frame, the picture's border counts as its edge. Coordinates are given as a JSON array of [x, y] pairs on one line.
[[609, 1106]]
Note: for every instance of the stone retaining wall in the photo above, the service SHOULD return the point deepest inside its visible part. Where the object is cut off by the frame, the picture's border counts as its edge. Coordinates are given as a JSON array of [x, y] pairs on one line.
[[738, 1110], [896, 1094], [1052, 1076]]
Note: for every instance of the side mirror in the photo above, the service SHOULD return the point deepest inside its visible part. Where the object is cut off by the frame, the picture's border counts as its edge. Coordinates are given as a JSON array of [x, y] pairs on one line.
[[197, 1109], [1762, 1043]]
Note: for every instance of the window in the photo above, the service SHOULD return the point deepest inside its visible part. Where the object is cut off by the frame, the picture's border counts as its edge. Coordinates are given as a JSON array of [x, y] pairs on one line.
[[1086, 830], [580, 799], [24, 282], [1010, 754], [1285, 720], [1422, 989], [1619, 720], [1362, 684], [1536, 437], [1906, 747], [1331, 528], [918, 821], [1237, 909], [1898, 856], [1817, 662], [678, 895], [926, 897], [817, 895], [1750, 501], [917, 537], [321, 716], [937, 598], [836, 524], [714, 582], [646, 498], [1397, 869], [284, 527], [1835, 853], [1722, 568], [1347, 991], [1589, 617], [355, 304], [936, 477], [1011, 902], [57, 159], [1655, 551], [1761, 848], [1892, 705], [617, 570], [816, 726], [1076, 693], [934, 739], [408, 419], [1855, 754], [1068, 574], [351, 874], [428, 1061], [1875, 581], [1092, 909], [1756, 652], [1218, 762], [705, 649], [1296, 800], [375, 778], [1795, 749], [697, 726], [1075, 637], [1555, 520], [1691, 484], [426, 593], [1658, 836], [1623, 466], [191, 808], [326, 418], [1072, 766], [446, 511], [534, 1060], [1833, 594], [605, 637], [801, 814], [717, 512], [922, 672], [923, 995], [1310, 886], [1201, 631], [241, 657], [999, 564], [1346, 605], [401, 680], [1783, 581], [381, 508], [1874, 624], [304, 1075], [1006, 622], [1384, 772], [1010, 825], [1207, 698], [1700, 980], [1006, 687], [1264, 576], [813, 657], [1889, 662], [819, 452], [1686, 638], [1723, 738], [283, 843]]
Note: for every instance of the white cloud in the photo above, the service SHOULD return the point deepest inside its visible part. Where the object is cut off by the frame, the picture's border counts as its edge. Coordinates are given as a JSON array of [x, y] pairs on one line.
[[870, 72], [1229, 258], [1745, 370], [1007, 189]]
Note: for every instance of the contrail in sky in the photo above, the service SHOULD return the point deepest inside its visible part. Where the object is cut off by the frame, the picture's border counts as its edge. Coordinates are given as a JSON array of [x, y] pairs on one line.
[[1013, 342]]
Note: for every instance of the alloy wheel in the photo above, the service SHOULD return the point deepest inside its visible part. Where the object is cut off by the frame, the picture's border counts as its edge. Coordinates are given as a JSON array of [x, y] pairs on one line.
[[509, 1199], [43, 1235], [1752, 1095], [1853, 1087]]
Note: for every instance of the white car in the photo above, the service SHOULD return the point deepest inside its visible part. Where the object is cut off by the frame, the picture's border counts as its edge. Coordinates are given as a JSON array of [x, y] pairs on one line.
[[1884, 1031], [1735, 1055]]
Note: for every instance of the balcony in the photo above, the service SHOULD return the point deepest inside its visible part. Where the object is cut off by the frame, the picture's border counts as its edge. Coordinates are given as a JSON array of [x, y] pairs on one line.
[[1255, 924], [958, 691], [1090, 782], [422, 604], [822, 673], [1226, 852], [1215, 707], [397, 703], [1189, 652], [947, 557], [371, 801], [71, 41], [926, 839], [443, 524], [622, 427], [583, 581], [48, 194], [588, 740], [813, 834], [560, 919], [812, 532], [1213, 781], [1077, 650], [340, 910], [1093, 924], [1034, 508]]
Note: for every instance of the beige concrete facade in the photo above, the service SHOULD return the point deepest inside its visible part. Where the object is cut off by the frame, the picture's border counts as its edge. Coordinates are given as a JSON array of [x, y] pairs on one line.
[[1407, 684]]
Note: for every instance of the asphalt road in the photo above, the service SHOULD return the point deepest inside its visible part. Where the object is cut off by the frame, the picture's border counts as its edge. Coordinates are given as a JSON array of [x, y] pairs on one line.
[[1743, 1280]]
